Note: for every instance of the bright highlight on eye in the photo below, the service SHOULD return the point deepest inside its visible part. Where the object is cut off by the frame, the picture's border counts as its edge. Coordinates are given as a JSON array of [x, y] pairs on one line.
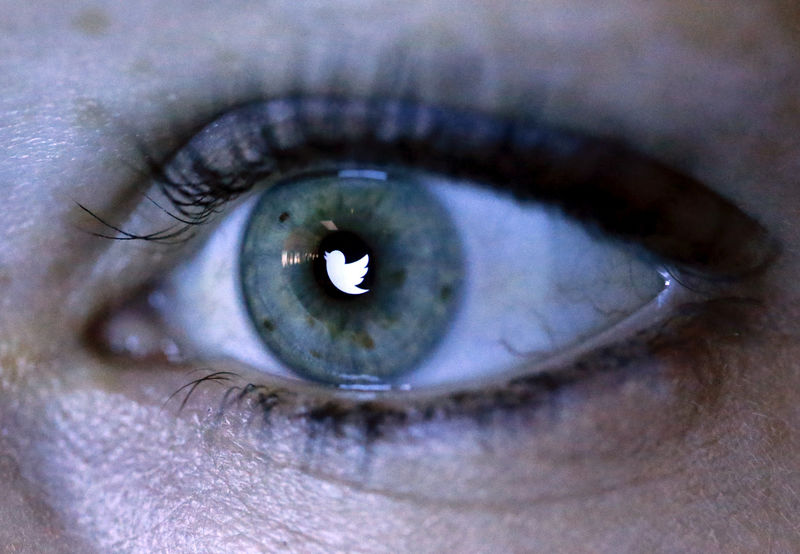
[[343, 275]]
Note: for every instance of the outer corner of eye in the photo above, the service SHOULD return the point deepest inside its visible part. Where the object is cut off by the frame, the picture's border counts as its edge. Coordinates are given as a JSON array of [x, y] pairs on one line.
[[373, 279]]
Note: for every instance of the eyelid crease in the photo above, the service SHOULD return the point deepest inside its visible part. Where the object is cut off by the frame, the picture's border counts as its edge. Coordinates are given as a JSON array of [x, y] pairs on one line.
[[598, 181]]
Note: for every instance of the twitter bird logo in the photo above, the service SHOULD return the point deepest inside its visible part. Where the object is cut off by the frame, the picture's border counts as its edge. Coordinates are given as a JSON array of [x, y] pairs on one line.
[[344, 276]]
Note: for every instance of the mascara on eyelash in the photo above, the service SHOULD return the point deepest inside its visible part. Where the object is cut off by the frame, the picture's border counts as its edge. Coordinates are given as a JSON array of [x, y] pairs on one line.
[[600, 182]]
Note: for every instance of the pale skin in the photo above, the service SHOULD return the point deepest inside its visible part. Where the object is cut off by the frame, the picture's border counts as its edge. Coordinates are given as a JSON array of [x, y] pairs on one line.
[[693, 451]]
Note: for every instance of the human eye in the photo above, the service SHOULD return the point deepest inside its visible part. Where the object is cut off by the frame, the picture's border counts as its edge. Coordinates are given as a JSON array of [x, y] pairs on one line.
[[672, 429], [521, 247]]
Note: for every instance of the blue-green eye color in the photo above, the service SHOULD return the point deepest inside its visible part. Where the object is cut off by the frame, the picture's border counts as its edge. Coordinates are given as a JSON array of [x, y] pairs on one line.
[[351, 277]]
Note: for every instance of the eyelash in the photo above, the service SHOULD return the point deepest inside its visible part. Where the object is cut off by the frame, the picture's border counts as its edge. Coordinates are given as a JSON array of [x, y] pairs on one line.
[[596, 181], [688, 331], [223, 162], [196, 188]]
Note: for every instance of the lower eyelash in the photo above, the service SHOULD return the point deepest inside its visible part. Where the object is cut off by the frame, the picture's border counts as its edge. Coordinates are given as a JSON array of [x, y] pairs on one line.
[[688, 333]]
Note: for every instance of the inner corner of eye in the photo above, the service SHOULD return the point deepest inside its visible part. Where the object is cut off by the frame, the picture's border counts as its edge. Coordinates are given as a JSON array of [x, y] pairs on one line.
[[364, 278], [133, 329]]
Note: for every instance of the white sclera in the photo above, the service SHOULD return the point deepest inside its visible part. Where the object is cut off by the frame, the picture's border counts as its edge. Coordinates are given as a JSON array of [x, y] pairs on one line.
[[536, 283], [201, 303]]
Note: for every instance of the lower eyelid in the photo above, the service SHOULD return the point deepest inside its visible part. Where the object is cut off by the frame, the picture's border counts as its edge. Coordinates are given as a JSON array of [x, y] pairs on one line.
[[677, 353], [619, 410], [619, 407]]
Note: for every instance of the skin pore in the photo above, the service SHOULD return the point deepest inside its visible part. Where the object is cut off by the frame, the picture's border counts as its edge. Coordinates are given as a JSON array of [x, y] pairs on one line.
[[693, 449]]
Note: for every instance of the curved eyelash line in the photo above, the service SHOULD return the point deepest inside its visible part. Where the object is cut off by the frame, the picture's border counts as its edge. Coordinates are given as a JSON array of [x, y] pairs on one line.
[[601, 182]]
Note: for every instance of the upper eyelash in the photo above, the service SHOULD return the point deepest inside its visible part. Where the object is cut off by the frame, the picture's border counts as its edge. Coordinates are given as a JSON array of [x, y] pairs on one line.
[[598, 181]]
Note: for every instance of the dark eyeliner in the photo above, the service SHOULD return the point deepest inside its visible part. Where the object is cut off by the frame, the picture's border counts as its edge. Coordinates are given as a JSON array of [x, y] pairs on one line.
[[600, 182]]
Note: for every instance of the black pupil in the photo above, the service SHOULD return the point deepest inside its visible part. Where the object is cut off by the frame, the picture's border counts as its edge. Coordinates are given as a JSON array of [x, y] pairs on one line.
[[347, 282]]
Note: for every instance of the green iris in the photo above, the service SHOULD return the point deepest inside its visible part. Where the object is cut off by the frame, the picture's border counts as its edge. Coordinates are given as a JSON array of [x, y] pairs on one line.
[[373, 322]]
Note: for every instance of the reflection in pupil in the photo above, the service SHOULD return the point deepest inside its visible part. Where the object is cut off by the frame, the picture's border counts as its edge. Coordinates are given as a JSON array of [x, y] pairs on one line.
[[344, 265]]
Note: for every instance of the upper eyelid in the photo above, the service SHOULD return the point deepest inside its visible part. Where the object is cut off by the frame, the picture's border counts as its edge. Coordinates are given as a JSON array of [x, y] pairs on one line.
[[601, 182]]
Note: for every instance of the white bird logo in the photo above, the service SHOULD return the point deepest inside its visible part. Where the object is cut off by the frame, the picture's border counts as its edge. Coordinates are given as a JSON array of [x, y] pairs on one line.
[[346, 276]]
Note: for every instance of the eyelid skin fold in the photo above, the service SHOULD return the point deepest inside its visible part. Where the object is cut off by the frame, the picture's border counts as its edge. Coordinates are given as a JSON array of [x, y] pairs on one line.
[[600, 182]]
